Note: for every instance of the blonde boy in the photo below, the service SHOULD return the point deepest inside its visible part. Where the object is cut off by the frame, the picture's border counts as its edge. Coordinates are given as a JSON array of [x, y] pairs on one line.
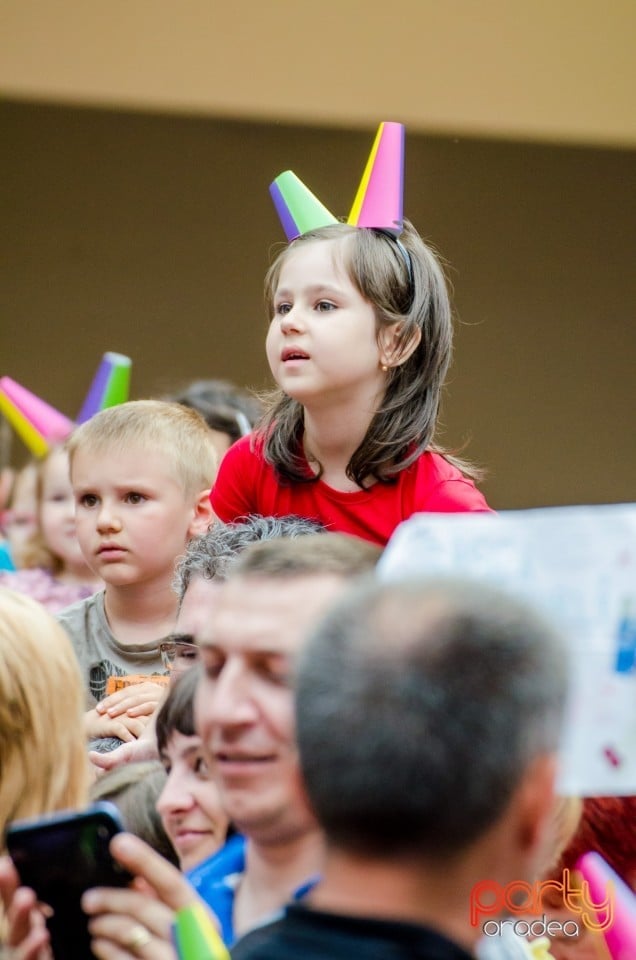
[[141, 474]]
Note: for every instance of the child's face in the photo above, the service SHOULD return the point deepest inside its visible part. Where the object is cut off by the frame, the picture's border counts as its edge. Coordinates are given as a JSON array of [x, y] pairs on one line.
[[132, 515], [23, 514], [322, 344], [190, 804], [57, 511]]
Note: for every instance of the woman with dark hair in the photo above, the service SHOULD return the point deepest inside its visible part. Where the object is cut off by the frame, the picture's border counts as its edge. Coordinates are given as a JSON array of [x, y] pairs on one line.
[[189, 803]]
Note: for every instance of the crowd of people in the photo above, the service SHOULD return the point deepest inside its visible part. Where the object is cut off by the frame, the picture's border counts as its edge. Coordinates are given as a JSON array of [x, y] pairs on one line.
[[195, 631]]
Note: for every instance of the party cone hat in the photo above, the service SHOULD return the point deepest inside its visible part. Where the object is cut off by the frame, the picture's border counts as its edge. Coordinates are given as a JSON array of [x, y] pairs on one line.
[[37, 423], [110, 385], [380, 196], [299, 210], [196, 937], [620, 935]]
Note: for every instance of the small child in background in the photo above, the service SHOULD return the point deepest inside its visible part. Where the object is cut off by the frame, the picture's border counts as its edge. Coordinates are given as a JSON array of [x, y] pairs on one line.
[[229, 411], [54, 570], [7, 476], [141, 474], [20, 519], [359, 344]]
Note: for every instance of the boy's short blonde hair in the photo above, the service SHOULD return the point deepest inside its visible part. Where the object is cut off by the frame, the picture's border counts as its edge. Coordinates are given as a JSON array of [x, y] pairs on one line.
[[174, 430]]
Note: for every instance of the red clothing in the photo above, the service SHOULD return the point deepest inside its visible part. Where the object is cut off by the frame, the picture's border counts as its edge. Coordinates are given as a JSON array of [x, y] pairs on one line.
[[247, 484]]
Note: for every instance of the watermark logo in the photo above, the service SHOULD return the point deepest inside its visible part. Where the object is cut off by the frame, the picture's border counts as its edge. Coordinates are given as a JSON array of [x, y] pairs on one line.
[[489, 899]]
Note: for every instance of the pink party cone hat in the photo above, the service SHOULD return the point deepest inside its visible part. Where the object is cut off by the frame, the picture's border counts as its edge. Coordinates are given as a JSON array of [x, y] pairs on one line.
[[620, 935], [380, 197], [37, 423]]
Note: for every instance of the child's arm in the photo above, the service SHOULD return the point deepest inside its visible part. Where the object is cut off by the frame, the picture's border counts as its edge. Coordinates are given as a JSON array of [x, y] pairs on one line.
[[136, 700], [98, 726], [143, 748], [126, 713], [135, 751]]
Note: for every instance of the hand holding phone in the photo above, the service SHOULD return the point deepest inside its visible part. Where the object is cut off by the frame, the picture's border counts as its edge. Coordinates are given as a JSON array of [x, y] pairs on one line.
[[60, 857]]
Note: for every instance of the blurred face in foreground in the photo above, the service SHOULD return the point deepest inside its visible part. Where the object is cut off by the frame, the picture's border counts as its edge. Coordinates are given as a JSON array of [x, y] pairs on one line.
[[244, 706]]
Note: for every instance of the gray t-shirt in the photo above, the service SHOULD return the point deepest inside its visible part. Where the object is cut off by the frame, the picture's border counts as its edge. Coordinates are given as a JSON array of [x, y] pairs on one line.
[[99, 653]]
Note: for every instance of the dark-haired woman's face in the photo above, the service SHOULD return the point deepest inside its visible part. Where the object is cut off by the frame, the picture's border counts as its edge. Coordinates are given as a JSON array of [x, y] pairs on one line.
[[189, 804]]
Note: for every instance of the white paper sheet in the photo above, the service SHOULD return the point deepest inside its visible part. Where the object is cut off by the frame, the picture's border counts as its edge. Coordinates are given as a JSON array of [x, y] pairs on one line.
[[578, 565]]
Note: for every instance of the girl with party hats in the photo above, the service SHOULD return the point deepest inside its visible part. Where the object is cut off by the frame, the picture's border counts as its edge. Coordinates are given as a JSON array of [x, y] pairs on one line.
[[359, 344]]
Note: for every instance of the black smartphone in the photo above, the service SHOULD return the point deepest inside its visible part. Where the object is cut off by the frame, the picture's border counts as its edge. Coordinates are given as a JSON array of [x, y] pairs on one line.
[[60, 856]]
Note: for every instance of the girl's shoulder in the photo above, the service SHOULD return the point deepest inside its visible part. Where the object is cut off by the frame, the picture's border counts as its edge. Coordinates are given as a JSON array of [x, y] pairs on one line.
[[439, 467], [245, 458], [439, 486], [245, 448], [242, 480]]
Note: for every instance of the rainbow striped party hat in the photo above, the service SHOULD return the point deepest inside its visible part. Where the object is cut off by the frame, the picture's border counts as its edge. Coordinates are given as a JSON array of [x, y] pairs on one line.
[[378, 202]]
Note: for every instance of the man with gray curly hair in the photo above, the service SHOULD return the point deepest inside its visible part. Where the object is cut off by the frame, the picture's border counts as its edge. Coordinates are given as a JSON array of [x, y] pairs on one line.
[[211, 555]]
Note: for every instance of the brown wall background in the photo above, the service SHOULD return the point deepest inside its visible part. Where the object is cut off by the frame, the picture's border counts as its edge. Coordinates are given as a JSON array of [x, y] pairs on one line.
[[149, 234]]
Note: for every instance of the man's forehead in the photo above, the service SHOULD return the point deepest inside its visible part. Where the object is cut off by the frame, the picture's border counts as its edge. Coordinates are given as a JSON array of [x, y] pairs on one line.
[[272, 612], [197, 606]]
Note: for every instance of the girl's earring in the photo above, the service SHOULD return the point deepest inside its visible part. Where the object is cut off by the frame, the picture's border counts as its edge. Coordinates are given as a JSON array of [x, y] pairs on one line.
[[383, 367]]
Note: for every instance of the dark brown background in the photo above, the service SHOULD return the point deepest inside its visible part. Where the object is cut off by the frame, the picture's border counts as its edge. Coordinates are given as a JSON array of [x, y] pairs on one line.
[[150, 234]]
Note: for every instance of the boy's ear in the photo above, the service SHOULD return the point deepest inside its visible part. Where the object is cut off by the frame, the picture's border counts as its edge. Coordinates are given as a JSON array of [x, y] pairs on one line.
[[202, 515], [392, 353]]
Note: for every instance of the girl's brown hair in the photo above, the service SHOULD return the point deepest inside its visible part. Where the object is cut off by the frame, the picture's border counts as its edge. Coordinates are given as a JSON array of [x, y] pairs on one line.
[[36, 551], [412, 294]]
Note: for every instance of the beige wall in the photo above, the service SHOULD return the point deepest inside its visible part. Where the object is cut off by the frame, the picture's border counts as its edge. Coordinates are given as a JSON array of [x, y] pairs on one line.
[[558, 70]]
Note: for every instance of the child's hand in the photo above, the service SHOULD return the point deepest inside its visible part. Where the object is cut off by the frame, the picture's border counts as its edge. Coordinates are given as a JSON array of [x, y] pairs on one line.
[[133, 752], [138, 700], [97, 726]]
